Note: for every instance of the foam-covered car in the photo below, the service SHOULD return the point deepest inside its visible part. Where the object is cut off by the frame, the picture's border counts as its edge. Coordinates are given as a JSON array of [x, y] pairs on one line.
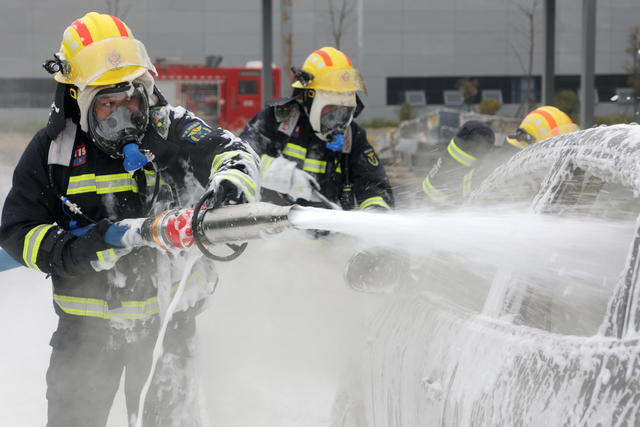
[[554, 347]]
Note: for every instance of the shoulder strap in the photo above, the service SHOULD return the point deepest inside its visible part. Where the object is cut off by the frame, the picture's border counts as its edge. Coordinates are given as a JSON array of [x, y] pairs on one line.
[[348, 140]]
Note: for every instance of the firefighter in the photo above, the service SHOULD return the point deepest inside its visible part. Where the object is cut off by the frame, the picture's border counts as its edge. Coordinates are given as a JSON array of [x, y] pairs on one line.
[[312, 151], [471, 154], [114, 152], [451, 178], [541, 123]]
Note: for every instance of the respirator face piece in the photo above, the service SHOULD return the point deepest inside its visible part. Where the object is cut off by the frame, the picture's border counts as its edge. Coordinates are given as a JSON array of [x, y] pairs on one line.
[[331, 113], [335, 119], [118, 116]]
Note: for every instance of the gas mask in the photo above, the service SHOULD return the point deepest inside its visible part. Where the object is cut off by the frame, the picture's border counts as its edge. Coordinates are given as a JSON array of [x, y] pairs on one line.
[[117, 120], [331, 114]]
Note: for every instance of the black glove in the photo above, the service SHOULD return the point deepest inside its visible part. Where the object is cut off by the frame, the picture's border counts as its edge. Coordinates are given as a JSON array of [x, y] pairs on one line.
[[78, 252], [228, 193]]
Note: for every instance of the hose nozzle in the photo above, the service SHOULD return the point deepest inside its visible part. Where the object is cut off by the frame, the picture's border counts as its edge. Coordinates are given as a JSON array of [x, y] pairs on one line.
[[239, 223]]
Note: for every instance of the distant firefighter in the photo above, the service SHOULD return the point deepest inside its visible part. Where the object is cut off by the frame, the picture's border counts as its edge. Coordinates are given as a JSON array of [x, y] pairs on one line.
[[312, 150], [451, 178], [540, 124]]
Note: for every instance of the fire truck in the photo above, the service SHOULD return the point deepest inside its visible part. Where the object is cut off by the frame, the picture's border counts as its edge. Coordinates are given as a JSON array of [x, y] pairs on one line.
[[222, 97]]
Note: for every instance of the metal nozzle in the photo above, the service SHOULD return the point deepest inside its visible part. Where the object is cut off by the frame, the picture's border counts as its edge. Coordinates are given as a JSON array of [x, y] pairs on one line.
[[239, 223]]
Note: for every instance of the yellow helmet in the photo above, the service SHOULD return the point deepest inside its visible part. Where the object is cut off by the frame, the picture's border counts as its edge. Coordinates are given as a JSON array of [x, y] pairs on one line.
[[99, 49], [541, 123], [328, 69]]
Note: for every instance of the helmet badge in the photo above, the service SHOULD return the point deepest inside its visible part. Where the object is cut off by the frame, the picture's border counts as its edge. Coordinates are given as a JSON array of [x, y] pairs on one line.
[[114, 58]]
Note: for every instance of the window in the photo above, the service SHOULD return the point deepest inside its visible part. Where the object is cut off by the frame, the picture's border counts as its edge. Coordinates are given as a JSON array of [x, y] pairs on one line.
[[493, 94], [506, 89], [453, 98], [415, 98], [248, 87], [623, 96]]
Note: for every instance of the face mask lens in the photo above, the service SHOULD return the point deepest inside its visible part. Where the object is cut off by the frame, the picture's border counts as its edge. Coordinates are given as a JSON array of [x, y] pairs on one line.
[[335, 118], [106, 104], [118, 116]]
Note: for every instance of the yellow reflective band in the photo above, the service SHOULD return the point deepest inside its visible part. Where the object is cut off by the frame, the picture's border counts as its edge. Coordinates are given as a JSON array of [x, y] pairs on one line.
[[315, 166], [110, 252], [378, 201], [228, 155], [242, 180], [431, 191], [459, 155], [466, 184], [115, 183], [93, 307], [265, 162], [101, 184], [295, 151], [31, 245], [151, 178]]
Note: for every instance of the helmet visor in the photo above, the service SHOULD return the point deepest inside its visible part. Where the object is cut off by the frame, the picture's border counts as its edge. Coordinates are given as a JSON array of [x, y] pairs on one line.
[[335, 118], [521, 139], [119, 59], [342, 80]]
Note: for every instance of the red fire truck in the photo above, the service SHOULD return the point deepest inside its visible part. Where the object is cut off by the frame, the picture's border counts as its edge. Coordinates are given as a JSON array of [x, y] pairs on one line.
[[224, 97]]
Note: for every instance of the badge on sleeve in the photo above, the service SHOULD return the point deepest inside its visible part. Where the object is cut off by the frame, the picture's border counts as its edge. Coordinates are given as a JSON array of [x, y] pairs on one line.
[[371, 157], [195, 131], [161, 121]]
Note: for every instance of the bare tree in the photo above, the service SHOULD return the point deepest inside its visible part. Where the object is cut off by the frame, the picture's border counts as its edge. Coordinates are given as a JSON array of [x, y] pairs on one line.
[[469, 90], [338, 17], [529, 32], [113, 8], [633, 68]]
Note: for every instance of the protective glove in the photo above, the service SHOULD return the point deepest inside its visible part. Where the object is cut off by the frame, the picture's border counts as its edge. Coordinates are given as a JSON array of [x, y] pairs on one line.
[[232, 187], [376, 209], [228, 193], [283, 176], [81, 249]]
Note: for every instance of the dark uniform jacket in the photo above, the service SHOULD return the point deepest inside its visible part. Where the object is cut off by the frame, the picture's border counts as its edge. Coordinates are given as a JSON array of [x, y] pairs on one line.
[[285, 130], [35, 224], [454, 175]]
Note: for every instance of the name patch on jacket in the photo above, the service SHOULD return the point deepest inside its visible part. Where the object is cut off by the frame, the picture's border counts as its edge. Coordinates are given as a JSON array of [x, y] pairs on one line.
[[371, 157], [80, 155], [195, 132]]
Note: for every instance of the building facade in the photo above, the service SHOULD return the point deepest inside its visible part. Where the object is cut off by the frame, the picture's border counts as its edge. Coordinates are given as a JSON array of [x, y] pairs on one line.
[[407, 50]]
